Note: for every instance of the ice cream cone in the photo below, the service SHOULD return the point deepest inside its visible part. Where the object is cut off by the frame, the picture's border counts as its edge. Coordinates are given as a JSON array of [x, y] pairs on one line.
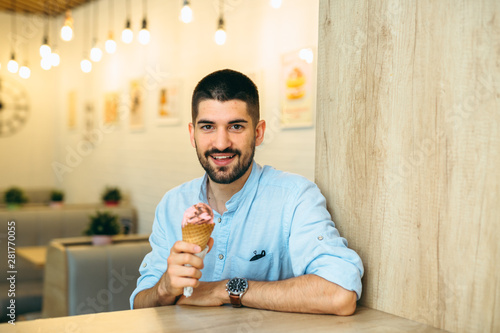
[[197, 226], [197, 233]]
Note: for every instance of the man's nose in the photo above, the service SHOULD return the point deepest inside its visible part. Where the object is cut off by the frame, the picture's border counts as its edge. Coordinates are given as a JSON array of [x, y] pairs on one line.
[[222, 140]]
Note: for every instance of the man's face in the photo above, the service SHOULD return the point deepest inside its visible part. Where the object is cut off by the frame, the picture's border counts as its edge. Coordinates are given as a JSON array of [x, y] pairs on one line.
[[225, 139]]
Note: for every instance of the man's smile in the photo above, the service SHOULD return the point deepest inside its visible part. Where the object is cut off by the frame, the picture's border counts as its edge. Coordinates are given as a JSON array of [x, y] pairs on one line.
[[222, 159]]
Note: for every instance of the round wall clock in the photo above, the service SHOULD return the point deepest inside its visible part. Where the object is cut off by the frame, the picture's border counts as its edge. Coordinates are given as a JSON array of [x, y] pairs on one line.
[[14, 106]]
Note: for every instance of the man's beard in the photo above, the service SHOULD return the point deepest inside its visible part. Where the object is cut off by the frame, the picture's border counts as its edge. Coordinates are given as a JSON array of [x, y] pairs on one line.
[[226, 174]]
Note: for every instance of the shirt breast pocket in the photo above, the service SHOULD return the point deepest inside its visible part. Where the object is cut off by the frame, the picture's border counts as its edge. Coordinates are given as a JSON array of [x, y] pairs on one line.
[[257, 270]]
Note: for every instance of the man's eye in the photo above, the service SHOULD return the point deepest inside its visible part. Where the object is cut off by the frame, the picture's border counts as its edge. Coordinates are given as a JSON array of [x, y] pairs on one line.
[[206, 127], [237, 127]]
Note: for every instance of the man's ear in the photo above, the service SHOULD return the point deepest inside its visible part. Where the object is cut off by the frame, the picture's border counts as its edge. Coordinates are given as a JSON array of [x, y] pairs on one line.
[[191, 135], [259, 132]]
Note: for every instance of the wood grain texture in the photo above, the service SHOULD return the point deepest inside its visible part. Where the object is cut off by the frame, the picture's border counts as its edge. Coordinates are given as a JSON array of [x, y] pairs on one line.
[[219, 319], [408, 153]]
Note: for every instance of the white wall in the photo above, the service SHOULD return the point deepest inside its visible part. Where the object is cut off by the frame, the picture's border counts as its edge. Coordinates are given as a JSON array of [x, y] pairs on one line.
[[147, 163], [25, 157]]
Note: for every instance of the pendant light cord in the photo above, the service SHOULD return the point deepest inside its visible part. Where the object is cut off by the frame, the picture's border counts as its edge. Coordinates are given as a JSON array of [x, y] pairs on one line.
[[111, 18], [96, 23], [14, 24]]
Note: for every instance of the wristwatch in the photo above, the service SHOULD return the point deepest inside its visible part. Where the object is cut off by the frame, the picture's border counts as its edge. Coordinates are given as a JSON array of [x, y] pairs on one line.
[[236, 287]]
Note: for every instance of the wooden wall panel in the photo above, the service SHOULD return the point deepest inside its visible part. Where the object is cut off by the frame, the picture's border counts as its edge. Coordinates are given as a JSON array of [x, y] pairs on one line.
[[408, 152]]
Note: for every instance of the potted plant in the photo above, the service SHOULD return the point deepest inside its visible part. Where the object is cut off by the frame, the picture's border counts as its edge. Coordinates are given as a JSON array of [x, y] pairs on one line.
[[56, 198], [102, 226], [15, 197], [112, 196]]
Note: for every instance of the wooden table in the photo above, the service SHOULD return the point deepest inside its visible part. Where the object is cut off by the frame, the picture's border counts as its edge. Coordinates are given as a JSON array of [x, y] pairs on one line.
[[219, 319], [37, 255]]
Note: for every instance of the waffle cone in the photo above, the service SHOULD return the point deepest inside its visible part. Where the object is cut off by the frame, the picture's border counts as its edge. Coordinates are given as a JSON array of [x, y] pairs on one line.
[[197, 233]]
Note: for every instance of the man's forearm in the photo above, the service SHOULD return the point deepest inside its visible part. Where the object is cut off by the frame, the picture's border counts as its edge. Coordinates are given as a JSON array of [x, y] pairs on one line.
[[149, 298], [306, 294]]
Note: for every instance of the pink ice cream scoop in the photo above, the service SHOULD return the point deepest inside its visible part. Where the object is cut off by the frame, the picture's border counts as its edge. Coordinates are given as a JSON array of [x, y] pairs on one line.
[[200, 213]]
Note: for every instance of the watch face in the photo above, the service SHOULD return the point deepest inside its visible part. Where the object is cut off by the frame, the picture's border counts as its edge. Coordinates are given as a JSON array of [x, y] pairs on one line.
[[237, 285]]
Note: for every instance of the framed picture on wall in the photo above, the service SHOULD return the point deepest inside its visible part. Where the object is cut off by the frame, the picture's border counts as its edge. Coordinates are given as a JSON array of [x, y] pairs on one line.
[[168, 111], [136, 115], [71, 111], [298, 89], [110, 115]]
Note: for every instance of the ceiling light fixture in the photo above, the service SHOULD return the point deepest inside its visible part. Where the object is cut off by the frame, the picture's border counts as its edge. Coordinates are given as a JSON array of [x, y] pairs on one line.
[[67, 28], [25, 71], [45, 50], [186, 12], [55, 59], [95, 52], [12, 65], [144, 35], [85, 64], [127, 34], [110, 44], [220, 34]]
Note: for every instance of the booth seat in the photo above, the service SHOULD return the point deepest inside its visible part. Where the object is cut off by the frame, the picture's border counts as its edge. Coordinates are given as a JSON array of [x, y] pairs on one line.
[[37, 226], [81, 278]]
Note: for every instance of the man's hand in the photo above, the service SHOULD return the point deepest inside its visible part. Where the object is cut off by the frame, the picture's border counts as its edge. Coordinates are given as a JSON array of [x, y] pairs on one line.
[[207, 294], [177, 276]]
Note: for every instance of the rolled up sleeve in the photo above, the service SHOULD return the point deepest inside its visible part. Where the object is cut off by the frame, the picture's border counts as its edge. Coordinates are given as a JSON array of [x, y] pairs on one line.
[[316, 246]]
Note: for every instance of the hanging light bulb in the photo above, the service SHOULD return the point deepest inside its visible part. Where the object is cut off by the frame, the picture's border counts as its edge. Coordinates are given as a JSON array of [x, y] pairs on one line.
[[86, 65], [186, 12], [276, 3], [110, 44], [12, 65], [95, 53], [220, 34], [144, 35], [46, 63], [24, 72], [55, 59], [127, 34], [45, 48], [67, 28]]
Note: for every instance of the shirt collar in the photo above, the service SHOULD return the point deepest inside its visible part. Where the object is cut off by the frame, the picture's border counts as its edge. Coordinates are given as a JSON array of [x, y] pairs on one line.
[[249, 187]]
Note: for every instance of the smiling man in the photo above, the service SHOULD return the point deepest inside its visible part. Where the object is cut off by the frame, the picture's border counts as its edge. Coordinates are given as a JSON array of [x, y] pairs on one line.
[[274, 245]]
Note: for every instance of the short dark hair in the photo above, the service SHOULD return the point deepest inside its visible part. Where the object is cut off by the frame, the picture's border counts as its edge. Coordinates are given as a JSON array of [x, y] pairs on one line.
[[225, 85]]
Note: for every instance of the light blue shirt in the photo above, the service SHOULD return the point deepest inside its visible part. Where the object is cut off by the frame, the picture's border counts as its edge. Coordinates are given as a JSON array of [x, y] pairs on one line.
[[277, 212]]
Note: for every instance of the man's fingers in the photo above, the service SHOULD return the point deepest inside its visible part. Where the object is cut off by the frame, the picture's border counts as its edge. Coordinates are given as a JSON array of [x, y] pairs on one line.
[[181, 259], [184, 271], [185, 247]]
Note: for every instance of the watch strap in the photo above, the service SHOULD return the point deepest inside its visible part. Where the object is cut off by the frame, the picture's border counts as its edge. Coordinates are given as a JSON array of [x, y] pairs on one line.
[[235, 300]]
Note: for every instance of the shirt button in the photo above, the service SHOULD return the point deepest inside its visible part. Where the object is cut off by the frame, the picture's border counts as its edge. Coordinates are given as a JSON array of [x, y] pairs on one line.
[[144, 265], [221, 256], [320, 238], [219, 219]]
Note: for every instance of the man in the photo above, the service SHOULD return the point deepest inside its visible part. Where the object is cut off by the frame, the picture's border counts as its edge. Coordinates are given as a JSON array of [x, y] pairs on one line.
[[274, 245]]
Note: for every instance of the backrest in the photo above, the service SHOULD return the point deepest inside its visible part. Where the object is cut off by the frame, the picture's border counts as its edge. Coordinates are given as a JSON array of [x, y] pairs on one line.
[[81, 278], [102, 278]]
